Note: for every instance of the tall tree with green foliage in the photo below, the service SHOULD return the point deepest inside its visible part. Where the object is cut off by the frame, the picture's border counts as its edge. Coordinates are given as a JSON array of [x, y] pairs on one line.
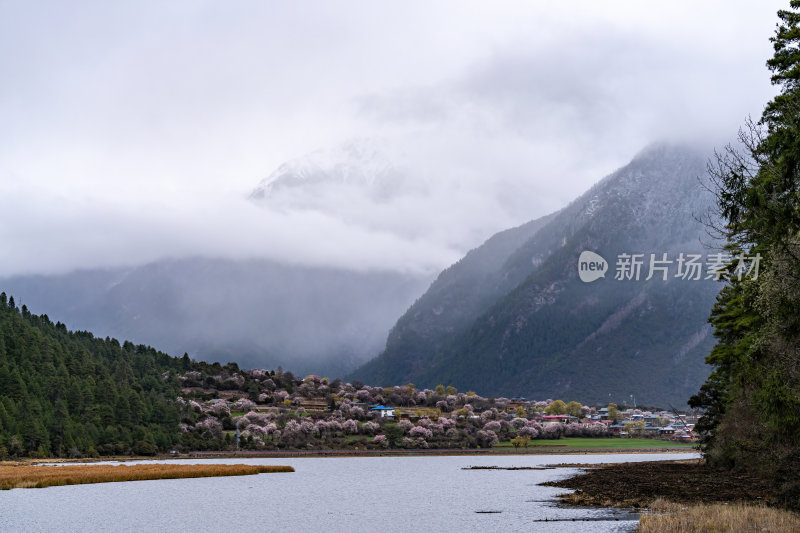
[[752, 397], [558, 407], [574, 409]]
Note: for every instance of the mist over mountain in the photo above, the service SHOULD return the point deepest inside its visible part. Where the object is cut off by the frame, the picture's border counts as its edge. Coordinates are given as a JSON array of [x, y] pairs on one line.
[[256, 313], [512, 317], [509, 318], [262, 312], [399, 188]]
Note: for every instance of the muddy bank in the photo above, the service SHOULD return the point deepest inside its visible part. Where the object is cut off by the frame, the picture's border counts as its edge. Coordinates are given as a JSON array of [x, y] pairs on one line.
[[639, 484]]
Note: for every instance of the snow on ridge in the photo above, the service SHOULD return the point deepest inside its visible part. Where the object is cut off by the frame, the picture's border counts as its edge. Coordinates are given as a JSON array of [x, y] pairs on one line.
[[361, 163]]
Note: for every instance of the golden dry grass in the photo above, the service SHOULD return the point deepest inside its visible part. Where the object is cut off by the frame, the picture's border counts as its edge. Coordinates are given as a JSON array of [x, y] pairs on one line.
[[25, 476], [666, 517]]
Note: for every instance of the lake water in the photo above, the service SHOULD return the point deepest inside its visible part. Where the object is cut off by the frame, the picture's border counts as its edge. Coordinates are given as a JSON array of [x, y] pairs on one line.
[[338, 494]]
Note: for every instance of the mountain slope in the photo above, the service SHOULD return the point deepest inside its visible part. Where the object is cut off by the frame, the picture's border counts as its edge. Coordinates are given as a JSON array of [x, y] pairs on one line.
[[458, 296], [553, 335]]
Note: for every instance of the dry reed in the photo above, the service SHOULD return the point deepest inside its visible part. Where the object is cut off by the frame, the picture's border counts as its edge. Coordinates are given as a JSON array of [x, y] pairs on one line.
[[12, 477], [667, 517]]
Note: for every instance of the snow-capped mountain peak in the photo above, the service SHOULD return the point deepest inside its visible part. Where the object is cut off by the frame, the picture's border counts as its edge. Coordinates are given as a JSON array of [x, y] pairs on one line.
[[361, 163]]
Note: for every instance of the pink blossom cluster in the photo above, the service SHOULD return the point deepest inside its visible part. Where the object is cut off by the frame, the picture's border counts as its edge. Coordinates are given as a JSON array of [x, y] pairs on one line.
[[419, 431]]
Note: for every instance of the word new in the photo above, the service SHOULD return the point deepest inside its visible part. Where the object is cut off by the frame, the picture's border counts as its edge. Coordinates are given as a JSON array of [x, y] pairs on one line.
[[717, 266]]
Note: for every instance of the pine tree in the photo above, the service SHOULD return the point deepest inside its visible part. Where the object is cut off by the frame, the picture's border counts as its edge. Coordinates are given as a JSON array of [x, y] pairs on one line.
[[752, 398]]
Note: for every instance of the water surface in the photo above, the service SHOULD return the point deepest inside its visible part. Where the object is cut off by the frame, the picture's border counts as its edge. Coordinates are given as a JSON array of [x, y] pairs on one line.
[[328, 494]]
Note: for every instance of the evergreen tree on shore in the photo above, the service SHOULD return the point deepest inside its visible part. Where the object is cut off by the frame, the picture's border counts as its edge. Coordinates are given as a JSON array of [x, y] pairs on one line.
[[752, 397]]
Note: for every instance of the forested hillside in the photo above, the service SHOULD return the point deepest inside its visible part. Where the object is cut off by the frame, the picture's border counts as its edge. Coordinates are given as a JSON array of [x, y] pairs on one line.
[[68, 393]]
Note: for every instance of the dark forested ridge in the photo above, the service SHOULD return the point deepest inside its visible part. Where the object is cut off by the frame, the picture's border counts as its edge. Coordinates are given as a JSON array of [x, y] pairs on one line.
[[68, 393]]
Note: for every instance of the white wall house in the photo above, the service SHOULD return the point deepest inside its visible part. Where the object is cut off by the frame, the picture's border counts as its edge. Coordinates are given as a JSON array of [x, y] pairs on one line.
[[383, 411]]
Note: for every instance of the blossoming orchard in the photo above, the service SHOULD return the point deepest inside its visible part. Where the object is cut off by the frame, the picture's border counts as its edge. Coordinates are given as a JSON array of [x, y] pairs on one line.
[[263, 410]]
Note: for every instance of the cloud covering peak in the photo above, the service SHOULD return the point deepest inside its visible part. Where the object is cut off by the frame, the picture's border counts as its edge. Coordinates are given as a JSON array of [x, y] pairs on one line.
[[137, 131]]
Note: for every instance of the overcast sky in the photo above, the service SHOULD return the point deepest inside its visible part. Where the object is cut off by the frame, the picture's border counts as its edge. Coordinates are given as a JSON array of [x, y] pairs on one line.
[[132, 131]]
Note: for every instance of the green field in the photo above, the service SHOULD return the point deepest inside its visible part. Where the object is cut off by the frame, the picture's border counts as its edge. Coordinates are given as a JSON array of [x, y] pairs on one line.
[[604, 443]]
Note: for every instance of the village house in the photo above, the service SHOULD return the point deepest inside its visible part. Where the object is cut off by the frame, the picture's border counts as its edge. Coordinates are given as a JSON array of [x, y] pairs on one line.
[[652, 421], [617, 429], [382, 411], [514, 403], [314, 405], [555, 419]]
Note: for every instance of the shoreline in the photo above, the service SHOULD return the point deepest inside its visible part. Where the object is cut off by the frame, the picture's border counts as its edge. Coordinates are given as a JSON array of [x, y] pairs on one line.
[[638, 485], [438, 452], [677, 496], [277, 454]]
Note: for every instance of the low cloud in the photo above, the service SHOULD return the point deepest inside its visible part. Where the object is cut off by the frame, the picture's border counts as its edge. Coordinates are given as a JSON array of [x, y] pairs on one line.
[[93, 232], [137, 133]]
